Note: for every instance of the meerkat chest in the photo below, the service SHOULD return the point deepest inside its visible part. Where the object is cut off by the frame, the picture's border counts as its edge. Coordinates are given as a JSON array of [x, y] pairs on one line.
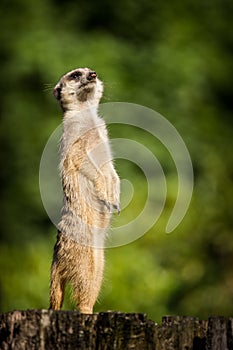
[[98, 135], [90, 132], [98, 146]]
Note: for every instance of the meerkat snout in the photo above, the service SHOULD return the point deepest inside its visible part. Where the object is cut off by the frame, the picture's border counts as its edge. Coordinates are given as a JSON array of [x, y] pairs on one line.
[[92, 75]]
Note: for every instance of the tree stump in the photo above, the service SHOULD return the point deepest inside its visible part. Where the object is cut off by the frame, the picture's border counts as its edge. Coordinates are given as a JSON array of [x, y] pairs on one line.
[[61, 330]]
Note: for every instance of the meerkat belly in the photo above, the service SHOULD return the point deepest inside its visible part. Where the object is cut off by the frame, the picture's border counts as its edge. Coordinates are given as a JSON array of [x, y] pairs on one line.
[[85, 218]]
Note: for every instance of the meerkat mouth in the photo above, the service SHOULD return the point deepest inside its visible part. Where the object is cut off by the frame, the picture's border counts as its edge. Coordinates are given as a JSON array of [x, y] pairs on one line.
[[88, 83], [85, 89]]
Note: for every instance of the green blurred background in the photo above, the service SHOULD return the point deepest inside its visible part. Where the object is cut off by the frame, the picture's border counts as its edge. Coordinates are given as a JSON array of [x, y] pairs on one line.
[[174, 57]]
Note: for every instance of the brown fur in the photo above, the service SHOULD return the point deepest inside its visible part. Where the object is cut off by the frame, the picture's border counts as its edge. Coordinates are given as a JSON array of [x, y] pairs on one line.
[[91, 191], [76, 263]]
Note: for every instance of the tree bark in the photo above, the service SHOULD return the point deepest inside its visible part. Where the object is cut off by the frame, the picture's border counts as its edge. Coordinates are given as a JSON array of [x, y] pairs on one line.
[[61, 330]]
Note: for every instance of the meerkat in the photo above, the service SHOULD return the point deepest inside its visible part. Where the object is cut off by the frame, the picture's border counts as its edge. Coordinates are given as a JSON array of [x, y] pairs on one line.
[[91, 191]]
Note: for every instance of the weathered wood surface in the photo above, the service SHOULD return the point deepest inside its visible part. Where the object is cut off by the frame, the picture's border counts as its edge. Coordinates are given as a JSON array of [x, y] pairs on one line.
[[61, 330]]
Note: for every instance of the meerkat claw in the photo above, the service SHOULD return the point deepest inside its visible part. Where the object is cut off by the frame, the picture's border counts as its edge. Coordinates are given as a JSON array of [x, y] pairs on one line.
[[112, 207], [108, 205], [117, 207]]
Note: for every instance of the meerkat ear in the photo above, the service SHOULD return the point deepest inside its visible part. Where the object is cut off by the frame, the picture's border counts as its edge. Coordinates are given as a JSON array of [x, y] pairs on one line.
[[57, 92]]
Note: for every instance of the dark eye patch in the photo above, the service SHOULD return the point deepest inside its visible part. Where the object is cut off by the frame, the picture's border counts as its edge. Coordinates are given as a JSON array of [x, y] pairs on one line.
[[75, 75]]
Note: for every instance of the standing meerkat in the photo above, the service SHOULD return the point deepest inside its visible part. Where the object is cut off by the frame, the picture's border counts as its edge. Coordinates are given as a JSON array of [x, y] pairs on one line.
[[91, 190]]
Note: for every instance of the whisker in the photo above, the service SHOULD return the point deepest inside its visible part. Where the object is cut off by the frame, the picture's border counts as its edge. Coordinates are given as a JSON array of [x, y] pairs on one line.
[[110, 84], [48, 87], [106, 97]]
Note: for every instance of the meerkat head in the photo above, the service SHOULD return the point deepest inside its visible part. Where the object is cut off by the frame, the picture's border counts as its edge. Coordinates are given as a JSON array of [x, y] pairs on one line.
[[78, 88]]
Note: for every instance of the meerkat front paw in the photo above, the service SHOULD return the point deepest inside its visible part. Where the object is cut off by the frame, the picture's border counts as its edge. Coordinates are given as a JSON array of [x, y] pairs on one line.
[[112, 207], [108, 191]]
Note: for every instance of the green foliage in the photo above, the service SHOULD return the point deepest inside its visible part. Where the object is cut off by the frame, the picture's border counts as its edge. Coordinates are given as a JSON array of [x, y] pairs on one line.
[[173, 57]]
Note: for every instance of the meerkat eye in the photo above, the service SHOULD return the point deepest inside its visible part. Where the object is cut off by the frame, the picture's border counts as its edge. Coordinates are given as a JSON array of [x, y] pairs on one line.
[[75, 75]]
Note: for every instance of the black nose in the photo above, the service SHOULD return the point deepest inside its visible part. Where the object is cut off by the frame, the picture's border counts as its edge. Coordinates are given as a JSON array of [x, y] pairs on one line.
[[91, 75]]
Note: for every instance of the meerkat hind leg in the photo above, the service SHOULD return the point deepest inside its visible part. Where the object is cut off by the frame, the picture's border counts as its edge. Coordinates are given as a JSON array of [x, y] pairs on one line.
[[57, 288], [86, 285]]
